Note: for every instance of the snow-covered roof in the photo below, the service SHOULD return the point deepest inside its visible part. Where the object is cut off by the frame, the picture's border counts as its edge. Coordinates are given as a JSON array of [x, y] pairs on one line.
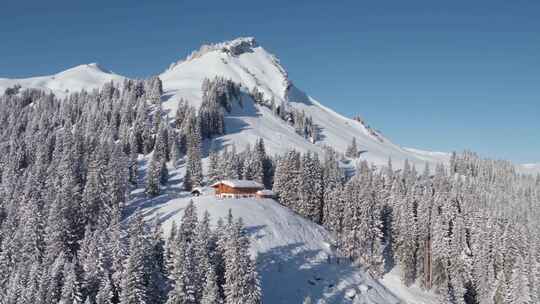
[[240, 183], [265, 192]]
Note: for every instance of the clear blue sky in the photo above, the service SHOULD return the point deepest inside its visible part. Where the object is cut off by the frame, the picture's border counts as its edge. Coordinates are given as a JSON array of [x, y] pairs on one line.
[[439, 75]]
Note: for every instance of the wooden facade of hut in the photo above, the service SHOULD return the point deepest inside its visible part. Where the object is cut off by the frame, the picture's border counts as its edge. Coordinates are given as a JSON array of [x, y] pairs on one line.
[[236, 188]]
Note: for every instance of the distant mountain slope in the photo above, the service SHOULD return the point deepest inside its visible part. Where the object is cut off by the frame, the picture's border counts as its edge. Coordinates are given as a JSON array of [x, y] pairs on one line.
[[86, 76], [291, 252]]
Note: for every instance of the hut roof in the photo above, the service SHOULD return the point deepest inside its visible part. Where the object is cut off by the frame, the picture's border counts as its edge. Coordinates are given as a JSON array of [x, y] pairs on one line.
[[239, 184]]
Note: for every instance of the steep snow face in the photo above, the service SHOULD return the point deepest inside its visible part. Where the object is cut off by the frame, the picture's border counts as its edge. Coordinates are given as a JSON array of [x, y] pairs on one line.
[[293, 255], [82, 77], [244, 61]]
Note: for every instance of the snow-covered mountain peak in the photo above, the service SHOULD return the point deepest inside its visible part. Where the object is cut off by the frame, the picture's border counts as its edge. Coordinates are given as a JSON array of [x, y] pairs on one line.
[[241, 60], [82, 77], [236, 46], [93, 69], [247, 63], [233, 47]]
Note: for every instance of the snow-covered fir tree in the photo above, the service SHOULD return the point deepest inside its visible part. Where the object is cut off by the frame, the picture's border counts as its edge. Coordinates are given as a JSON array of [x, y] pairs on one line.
[[352, 150], [194, 173]]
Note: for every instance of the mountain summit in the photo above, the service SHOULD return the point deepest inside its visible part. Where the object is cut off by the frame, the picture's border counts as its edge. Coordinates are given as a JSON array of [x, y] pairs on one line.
[[234, 47], [247, 63], [241, 60]]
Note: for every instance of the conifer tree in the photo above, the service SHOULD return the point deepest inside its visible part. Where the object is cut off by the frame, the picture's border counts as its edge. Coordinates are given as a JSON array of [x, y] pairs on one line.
[[117, 179], [71, 290], [155, 266], [214, 173], [133, 167], [286, 179], [153, 176], [310, 202], [184, 290], [211, 291], [194, 174], [352, 149], [134, 285], [406, 242], [105, 294], [241, 279]]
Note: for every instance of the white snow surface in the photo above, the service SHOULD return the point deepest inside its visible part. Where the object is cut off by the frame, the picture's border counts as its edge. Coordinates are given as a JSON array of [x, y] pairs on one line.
[[291, 252], [83, 77]]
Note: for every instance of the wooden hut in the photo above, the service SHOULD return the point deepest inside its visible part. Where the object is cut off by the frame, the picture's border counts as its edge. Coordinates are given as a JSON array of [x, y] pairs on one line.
[[236, 188]]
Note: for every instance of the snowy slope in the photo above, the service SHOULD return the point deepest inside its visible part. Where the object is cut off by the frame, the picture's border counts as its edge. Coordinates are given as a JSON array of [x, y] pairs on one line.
[[86, 76], [244, 61], [291, 252]]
